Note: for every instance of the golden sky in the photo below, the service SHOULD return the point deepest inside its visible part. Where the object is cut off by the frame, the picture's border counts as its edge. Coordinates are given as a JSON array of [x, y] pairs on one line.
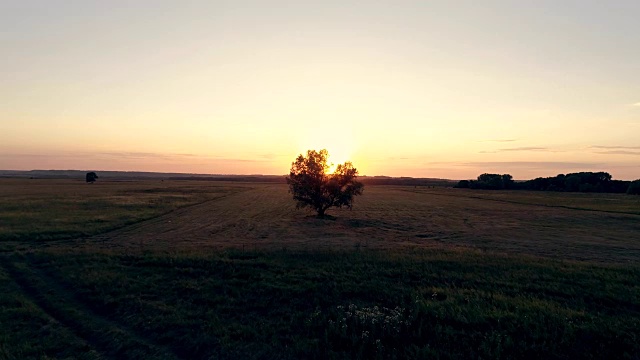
[[447, 89]]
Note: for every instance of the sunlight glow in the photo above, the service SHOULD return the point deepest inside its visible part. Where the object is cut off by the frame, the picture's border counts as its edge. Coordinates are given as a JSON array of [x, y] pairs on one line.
[[423, 89], [339, 143]]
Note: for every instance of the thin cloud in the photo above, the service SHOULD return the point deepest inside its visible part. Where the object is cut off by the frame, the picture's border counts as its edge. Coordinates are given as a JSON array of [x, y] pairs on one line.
[[526, 148], [522, 148], [26, 155], [636, 104], [535, 165], [619, 152], [113, 154], [144, 155], [240, 160], [193, 159], [499, 140], [615, 147]]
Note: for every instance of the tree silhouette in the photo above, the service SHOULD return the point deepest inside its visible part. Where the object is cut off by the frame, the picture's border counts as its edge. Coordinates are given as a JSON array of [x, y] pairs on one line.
[[489, 181], [634, 188], [312, 186], [91, 177]]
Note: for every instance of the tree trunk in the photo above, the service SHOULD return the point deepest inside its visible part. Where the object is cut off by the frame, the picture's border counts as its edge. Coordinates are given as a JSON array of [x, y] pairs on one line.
[[321, 212]]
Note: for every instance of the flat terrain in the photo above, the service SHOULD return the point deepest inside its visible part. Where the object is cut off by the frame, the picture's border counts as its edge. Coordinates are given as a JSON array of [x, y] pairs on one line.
[[196, 269], [37, 209], [264, 216]]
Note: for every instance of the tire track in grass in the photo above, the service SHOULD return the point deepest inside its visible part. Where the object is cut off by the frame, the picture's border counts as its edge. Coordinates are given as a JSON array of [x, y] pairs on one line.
[[109, 339], [53, 338]]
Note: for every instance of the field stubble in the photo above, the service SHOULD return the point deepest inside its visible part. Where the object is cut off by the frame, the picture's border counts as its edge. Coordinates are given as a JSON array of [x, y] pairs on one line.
[[264, 217]]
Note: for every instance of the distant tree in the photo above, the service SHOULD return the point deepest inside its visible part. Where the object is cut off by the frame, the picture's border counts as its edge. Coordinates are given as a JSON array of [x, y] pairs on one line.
[[507, 181], [634, 188], [462, 184], [619, 186], [492, 182], [91, 177], [312, 185], [572, 182]]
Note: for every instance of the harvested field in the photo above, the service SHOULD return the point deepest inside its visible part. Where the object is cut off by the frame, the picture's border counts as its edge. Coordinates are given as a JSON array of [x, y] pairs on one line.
[[40, 210], [264, 217]]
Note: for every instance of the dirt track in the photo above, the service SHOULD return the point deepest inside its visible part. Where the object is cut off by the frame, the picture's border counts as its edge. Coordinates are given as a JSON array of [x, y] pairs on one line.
[[265, 217]]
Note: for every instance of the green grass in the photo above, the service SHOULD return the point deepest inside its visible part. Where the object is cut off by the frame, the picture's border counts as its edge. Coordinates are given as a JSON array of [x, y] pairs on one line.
[[46, 210], [23, 322], [357, 304]]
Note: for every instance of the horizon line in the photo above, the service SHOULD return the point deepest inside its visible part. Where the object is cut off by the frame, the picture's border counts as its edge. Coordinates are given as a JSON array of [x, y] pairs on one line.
[[275, 175]]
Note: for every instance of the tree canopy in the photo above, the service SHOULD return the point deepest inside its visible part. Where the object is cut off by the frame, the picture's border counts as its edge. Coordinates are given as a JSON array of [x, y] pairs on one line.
[[601, 182], [91, 177], [634, 188], [488, 181], [312, 185]]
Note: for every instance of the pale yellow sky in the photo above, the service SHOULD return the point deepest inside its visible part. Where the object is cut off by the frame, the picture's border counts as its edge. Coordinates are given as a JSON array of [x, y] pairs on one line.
[[401, 88]]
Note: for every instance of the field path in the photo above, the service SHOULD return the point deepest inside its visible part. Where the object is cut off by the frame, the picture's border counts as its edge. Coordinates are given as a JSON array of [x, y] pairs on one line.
[[107, 339], [384, 218]]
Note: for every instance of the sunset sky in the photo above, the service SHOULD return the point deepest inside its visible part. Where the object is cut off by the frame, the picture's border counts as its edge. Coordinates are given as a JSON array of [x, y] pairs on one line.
[[446, 89]]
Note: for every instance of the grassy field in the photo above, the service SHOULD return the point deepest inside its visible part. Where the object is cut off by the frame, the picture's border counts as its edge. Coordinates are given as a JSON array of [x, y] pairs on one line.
[[226, 271], [614, 203], [56, 209]]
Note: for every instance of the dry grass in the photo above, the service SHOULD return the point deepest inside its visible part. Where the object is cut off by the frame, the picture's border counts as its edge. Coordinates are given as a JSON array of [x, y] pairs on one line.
[[614, 203], [264, 217], [56, 209]]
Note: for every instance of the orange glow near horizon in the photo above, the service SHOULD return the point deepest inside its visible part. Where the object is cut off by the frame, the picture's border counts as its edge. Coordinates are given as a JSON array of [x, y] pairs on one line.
[[422, 89]]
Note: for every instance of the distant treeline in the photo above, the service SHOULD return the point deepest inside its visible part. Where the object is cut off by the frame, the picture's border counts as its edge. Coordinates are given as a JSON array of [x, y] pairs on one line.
[[600, 182], [405, 181]]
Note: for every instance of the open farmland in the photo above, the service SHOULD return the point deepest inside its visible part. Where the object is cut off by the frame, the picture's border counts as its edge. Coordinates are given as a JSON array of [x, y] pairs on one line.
[[228, 270], [56, 209], [264, 217]]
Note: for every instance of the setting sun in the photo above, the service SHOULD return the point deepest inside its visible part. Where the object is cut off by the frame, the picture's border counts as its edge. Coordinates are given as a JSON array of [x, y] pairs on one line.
[[338, 141]]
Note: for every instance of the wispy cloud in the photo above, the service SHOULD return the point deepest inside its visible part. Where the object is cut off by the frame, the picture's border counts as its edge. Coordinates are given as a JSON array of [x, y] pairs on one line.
[[534, 165], [144, 155], [526, 148], [29, 155], [499, 140], [619, 152], [139, 156], [518, 164], [231, 160], [615, 147], [636, 104], [522, 148]]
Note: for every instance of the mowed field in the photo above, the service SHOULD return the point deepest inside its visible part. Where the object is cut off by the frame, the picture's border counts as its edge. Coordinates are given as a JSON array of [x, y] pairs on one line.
[[264, 217], [196, 269]]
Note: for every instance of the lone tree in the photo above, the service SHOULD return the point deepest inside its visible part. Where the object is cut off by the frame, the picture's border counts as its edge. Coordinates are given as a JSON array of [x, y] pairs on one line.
[[91, 177], [312, 186]]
